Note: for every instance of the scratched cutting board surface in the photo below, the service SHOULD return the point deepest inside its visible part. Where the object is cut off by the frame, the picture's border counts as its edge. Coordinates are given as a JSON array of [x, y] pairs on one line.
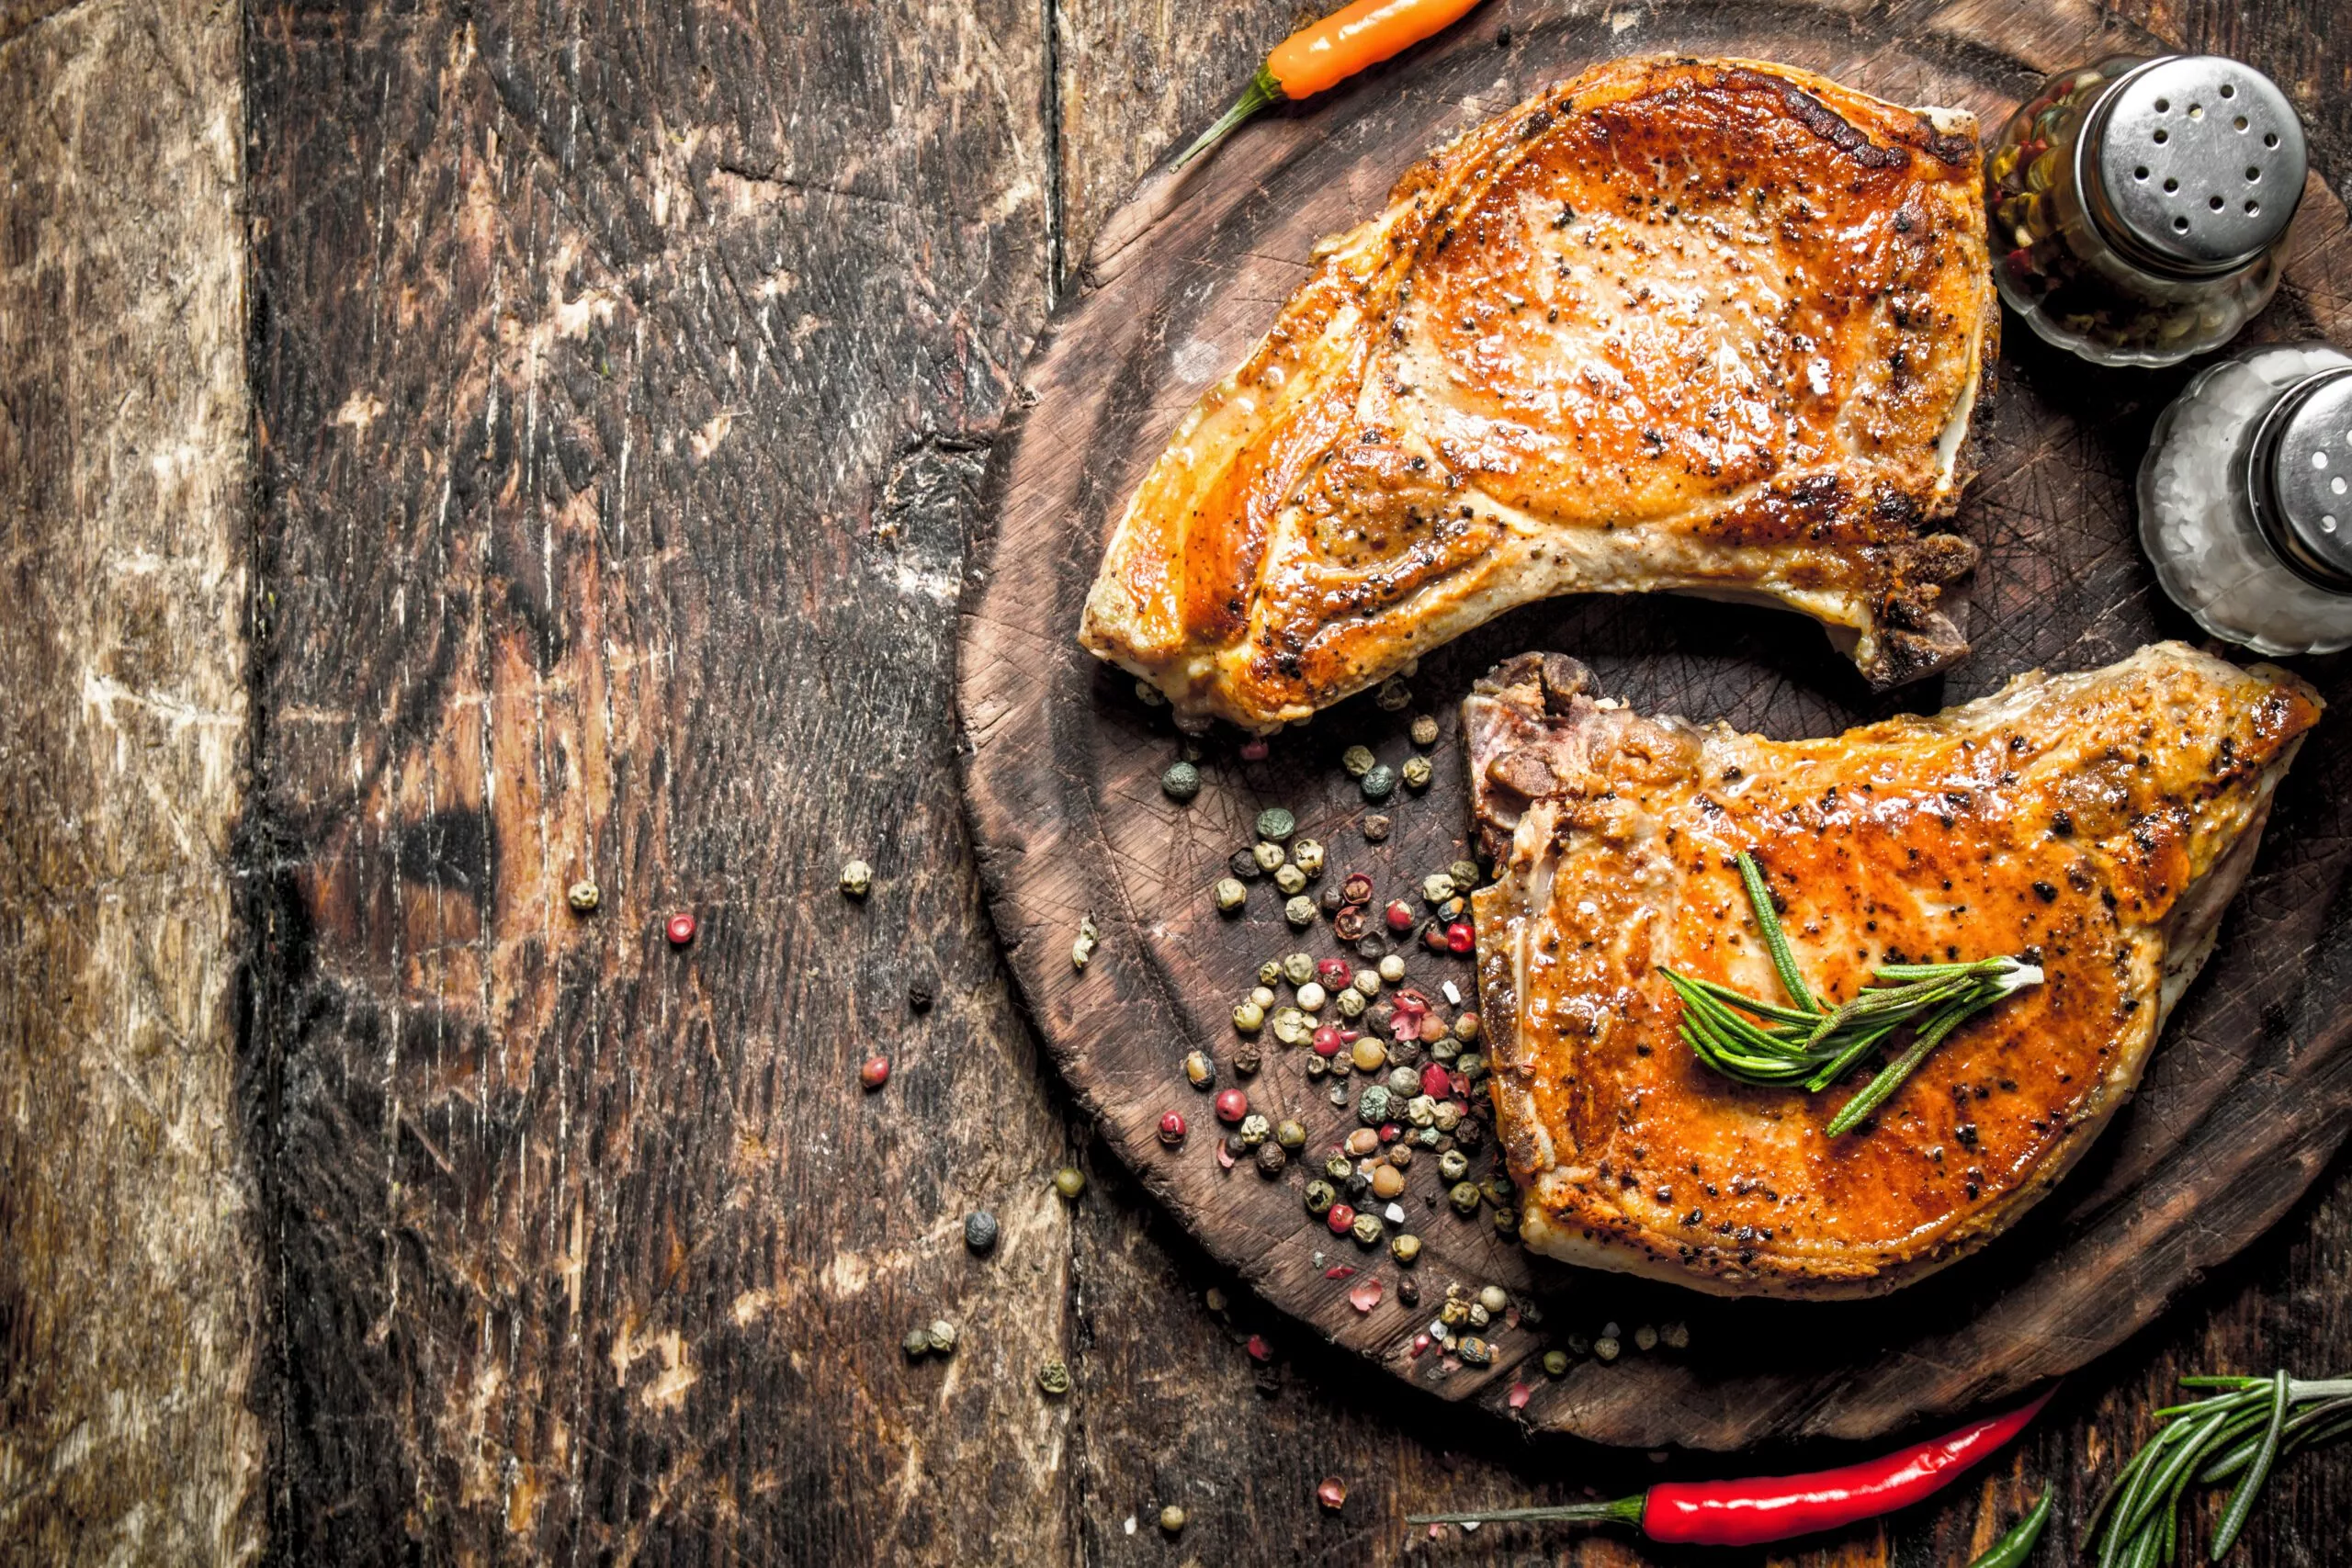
[[2247, 1096]]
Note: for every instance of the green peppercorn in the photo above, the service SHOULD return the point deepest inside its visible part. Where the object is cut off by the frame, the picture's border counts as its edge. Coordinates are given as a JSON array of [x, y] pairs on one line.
[[1380, 783], [1445, 1049], [918, 1342], [1298, 968], [1320, 1196], [1424, 730], [1464, 1198], [1150, 696], [1371, 1109], [1069, 1181], [857, 878], [1607, 1347], [1290, 879], [1454, 1165], [1465, 1028], [1455, 1311], [1395, 696], [1267, 855], [1254, 1130], [1291, 1135], [1376, 828], [1479, 1316], [1053, 1379], [1675, 1335], [1645, 1338], [1317, 1067], [1415, 771], [1357, 761], [1248, 1018], [1181, 782], [1507, 1220], [1403, 1082], [1171, 1518], [1494, 1298], [1230, 895], [1269, 972], [1437, 887], [1339, 1168], [1366, 1230], [1275, 824], [942, 1337], [1199, 1070], [1300, 912], [1470, 1065], [1351, 1003], [1421, 1110], [1556, 1363], [1308, 855], [1451, 909], [1497, 1190], [1464, 873], [1405, 1249], [585, 897]]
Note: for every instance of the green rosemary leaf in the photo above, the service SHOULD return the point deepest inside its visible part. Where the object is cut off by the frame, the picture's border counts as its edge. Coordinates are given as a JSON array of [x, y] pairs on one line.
[[2241, 1432], [1776, 942], [2242, 1500]]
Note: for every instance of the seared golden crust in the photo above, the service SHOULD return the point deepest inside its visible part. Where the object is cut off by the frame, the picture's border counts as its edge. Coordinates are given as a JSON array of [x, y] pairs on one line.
[[1711, 325], [2095, 823]]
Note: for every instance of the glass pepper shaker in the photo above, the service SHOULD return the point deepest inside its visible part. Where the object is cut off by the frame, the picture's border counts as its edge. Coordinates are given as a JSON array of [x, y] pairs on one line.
[[2245, 499], [2138, 205]]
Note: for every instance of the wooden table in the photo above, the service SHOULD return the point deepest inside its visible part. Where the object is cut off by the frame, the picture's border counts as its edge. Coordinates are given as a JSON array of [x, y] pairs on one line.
[[452, 453]]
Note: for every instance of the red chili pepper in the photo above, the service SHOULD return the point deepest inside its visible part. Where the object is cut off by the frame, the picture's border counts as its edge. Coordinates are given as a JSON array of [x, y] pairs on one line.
[[1768, 1508]]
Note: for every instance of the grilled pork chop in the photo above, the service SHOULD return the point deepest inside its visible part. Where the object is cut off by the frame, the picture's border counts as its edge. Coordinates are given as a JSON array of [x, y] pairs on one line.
[[2094, 824], [1713, 326]]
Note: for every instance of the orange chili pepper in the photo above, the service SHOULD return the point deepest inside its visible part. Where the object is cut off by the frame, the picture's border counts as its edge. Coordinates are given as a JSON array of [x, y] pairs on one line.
[[1326, 54]]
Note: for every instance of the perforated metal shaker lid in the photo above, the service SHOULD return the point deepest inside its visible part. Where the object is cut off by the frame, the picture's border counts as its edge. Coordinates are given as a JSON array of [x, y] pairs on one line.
[[2300, 471], [2198, 164]]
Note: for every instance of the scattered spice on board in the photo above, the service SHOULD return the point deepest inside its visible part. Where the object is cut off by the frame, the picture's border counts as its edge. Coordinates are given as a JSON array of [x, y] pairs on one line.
[[584, 896], [1069, 1181], [979, 1230], [1082, 952], [857, 878], [681, 929], [875, 1073], [1181, 782], [1053, 1379], [1332, 1493]]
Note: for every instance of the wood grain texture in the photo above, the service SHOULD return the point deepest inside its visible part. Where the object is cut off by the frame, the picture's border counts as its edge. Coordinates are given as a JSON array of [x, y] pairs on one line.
[[131, 1291], [2242, 1108], [626, 373]]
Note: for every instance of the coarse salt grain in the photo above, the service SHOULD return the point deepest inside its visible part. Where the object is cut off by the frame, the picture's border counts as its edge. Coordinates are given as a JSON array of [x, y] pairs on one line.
[[1453, 997]]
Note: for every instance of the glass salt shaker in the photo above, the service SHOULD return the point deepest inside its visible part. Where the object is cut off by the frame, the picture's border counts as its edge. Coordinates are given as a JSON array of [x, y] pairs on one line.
[[2138, 205], [2245, 499]]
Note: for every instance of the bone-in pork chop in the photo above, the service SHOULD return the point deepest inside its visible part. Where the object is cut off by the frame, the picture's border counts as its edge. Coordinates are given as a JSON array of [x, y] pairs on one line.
[[1711, 326], [2092, 824]]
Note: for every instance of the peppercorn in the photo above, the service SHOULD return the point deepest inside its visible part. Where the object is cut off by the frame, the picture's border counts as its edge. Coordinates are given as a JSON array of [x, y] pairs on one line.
[[920, 995], [1465, 1028], [1421, 1110], [1368, 1055], [1464, 1198], [1232, 1105], [1181, 782], [1645, 1338], [1607, 1347], [1372, 1108], [1308, 855], [1272, 1158], [1244, 867], [942, 1337], [1556, 1363], [1255, 1129], [1405, 1248], [1234, 1148], [1300, 911], [1404, 1082], [1290, 1133], [1470, 1065], [1366, 1230], [1340, 1218], [1464, 873], [875, 1072], [857, 878], [1053, 1379], [585, 897], [979, 1230], [1245, 1058], [1069, 1181], [1268, 856], [1269, 972], [1339, 1166], [1357, 761], [1150, 696], [1400, 1154], [918, 1342], [1374, 947], [1450, 910], [1478, 1316], [1388, 1181], [1455, 1311], [1316, 1067], [1424, 730], [1248, 1017], [1171, 1129], [1494, 1298], [1081, 951], [1320, 1196], [1506, 1221], [1379, 784], [1400, 918], [1357, 888], [1415, 773], [1332, 1492], [1276, 825], [1230, 895], [1360, 1142], [1376, 828], [1466, 1133], [681, 929], [1290, 880], [1171, 1518], [1311, 997], [1445, 1049], [1298, 968], [1330, 902], [1475, 1351], [1395, 696]]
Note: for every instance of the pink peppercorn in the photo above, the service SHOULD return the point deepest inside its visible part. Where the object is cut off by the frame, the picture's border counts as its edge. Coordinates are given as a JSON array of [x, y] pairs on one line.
[[1328, 1041], [1434, 1082], [1171, 1129], [875, 1072], [1332, 1493], [1390, 1132], [1253, 751], [1334, 973], [681, 929], [1460, 938], [1340, 1218], [1400, 915], [1232, 1105]]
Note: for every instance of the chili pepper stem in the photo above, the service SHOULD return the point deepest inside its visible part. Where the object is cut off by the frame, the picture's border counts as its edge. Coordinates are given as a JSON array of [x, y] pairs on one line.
[[1263, 92], [1625, 1510]]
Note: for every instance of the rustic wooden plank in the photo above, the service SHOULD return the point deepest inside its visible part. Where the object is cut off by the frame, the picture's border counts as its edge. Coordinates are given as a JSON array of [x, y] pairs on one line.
[[130, 1294], [627, 373]]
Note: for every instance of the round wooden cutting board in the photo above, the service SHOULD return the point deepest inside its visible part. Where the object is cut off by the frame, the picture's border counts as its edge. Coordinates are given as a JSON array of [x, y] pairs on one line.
[[2247, 1094]]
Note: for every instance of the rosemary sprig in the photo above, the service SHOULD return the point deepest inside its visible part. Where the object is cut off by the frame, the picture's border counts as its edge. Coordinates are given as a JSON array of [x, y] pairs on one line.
[[1757, 1041], [2241, 1433]]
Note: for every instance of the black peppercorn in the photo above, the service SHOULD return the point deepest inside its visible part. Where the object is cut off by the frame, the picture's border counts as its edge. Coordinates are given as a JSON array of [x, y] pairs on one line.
[[1272, 1158], [920, 995], [1243, 864], [979, 1230]]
